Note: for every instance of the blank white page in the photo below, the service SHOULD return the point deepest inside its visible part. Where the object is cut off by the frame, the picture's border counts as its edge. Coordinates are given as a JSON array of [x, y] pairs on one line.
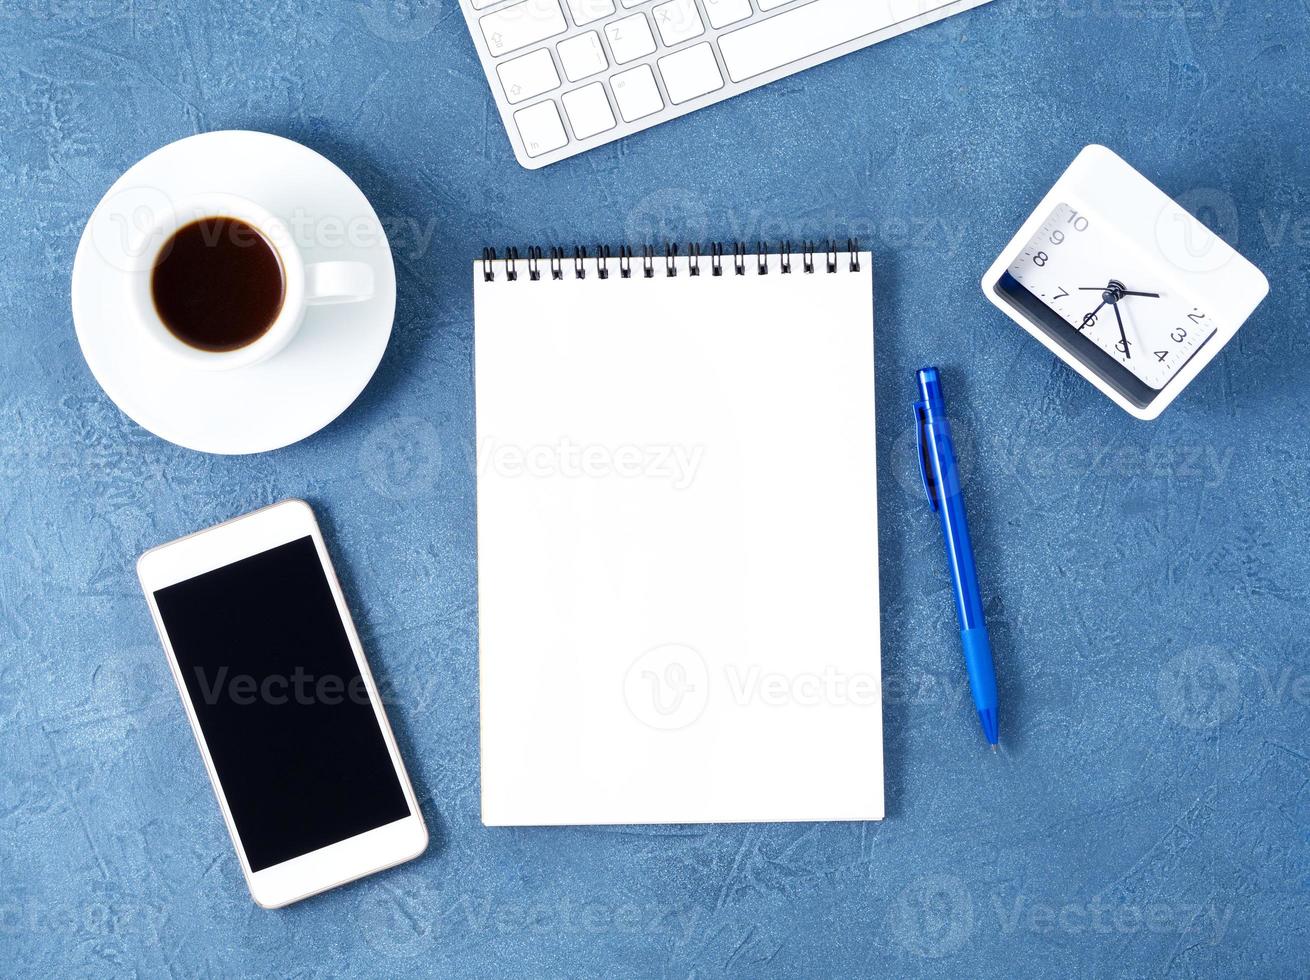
[[678, 546]]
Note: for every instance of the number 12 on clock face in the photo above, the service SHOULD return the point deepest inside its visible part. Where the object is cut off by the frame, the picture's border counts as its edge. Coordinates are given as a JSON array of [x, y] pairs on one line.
[[1099, 287]]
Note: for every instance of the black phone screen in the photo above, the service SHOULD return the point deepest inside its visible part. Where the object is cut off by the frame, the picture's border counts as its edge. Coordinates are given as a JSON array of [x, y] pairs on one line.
[[283, 708]]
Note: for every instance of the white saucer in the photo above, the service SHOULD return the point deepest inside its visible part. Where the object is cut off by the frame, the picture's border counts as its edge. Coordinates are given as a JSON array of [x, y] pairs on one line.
[[297, 391]]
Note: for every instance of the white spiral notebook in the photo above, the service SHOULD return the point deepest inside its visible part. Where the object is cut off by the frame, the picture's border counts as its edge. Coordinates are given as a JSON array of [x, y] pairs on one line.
[[677, 537]]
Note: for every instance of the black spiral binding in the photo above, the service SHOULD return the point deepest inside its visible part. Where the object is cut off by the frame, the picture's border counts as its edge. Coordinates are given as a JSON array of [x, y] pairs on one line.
[[599, 262]]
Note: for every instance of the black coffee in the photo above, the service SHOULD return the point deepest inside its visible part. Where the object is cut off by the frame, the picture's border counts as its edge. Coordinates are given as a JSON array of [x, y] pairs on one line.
[[217, 284]]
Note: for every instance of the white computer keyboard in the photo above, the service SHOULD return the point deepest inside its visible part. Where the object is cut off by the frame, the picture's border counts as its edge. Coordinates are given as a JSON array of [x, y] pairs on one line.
[[570, 75]]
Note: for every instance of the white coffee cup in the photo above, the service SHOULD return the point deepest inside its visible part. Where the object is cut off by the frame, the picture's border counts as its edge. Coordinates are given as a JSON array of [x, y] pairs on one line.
[[304, 284]]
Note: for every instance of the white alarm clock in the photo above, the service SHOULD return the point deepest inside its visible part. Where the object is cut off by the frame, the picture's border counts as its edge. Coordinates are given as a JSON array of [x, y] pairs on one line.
[[1119, 281]]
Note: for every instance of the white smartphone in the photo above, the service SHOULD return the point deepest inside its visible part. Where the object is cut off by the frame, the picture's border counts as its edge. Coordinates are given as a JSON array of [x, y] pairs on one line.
[[282, 704]]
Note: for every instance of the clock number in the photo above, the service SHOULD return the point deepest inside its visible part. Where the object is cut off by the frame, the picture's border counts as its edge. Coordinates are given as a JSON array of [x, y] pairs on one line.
[[1088, 321], [1078, 221], [1162, 356], [1057, 238], [1122, 346], [1041, 258], [1196, 317], [1063, 293], [1178, 336]]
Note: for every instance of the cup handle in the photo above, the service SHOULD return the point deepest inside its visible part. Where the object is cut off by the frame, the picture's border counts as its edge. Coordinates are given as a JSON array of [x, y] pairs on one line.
[[329, 283]]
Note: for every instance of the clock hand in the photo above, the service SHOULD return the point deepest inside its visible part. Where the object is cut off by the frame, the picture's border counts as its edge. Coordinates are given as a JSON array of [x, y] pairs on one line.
[[1122, 292], [1122, 333]]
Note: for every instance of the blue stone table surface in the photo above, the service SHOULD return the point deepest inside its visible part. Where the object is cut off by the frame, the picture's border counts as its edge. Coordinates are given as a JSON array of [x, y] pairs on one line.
[[1147, 583]]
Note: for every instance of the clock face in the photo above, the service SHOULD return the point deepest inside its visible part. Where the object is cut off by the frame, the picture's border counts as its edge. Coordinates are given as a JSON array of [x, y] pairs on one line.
[[1106, 292]]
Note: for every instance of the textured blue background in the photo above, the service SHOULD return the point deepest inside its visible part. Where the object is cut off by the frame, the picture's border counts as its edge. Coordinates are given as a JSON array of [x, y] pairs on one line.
[[1147, 583]]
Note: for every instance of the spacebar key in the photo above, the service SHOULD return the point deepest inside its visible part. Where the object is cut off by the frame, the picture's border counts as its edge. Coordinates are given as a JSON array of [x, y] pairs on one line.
[[808, 30]]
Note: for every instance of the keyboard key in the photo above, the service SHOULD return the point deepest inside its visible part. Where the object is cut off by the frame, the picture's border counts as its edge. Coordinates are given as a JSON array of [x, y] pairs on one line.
[[724, 12], [521, 24], [678, 21], [804, 31], [541, 128], [636, 93], [634, 3], [589, 110], [582, 56], [585, 11], [772, 4], [689, 73], [529, 76], [630, 38]]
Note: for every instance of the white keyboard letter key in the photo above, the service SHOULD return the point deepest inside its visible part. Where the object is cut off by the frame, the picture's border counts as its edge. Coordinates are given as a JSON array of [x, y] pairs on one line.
[[527, 77], [636, 93], [521, 24], [690, 72], [678, 21], [630, 38], [807, 30], [585, 11], [589, 110], [582, 56], [541, 128], [724, 12]]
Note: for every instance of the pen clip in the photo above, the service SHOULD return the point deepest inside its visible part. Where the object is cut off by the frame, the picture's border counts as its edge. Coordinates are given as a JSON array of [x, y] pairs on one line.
[[925, 465]]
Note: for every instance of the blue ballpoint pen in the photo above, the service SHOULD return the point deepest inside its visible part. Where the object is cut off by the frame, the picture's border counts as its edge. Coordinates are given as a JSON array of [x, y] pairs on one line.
[[941, 480]]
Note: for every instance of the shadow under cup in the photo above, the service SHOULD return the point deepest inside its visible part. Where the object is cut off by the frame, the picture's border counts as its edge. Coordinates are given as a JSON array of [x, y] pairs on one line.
[[218, 284]]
